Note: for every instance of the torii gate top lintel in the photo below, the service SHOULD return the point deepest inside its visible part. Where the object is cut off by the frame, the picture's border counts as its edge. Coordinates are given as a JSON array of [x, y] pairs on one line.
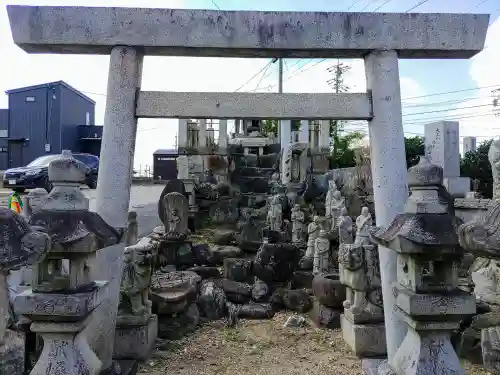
[[181, 32]]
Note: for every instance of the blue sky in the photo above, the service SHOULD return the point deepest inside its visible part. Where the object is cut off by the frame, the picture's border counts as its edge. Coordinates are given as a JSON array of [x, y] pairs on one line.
[[419, 78]]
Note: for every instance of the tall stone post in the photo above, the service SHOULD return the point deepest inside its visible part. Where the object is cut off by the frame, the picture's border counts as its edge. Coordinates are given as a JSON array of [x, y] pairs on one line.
[[118, 139], [202, 141], [223, 134], [115, 180], [324, 134], [182, 133], [304, 139], [237, 126], [389, 174], [285, 135]]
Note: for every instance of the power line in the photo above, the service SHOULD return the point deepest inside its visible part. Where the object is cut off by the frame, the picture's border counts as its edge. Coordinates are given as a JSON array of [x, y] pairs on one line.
[[448, 110], [367, 5], [353, 3], [255, 75], [480, 3], [417, 5], [381, 5], [262, 77], [451, 92], [213, 1]]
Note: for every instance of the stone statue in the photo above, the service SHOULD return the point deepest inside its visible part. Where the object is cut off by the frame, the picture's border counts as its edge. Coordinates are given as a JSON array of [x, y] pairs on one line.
[[298, 218], [329, 200], [338, 202], [494, 159], [353, 275], [274, 183], [345, 227], [322, 253], [174, 221], [33, 201], [136, 279], [132, 234], [313, 230], [363, 225], [275, 213]]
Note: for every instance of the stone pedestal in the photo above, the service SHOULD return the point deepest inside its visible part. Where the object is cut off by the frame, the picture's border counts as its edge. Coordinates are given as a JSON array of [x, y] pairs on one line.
[[365, 340], [65, 350], [135, 337]]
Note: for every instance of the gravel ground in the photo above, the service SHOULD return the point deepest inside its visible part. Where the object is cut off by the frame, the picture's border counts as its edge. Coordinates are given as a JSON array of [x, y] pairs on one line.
[[258, 347]]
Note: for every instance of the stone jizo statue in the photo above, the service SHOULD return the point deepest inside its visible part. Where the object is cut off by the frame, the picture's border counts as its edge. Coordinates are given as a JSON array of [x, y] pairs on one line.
[[338, 202], [298, 218], [363, 225], [174, 221], [345, 227], [322, 253], [132, 234], [312, 234], [275, 214]]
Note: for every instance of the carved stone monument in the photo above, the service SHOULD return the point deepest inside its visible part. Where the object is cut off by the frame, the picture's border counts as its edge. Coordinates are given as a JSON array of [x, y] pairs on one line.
[[132, 232], [136, 326], [329, 202], [313, 230], [363, 319], [61, 304], [427, 289]]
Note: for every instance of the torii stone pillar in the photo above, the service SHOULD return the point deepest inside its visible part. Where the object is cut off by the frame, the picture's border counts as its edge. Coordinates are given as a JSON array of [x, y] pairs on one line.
[[118, 138], [285, 139], [389, 173], [115, 174]]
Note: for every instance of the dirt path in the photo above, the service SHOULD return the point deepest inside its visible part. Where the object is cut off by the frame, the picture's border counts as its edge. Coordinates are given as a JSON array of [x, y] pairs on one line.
[[258, 347]]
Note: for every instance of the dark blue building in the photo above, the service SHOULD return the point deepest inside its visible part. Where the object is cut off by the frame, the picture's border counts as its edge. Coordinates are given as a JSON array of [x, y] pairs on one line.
[[46, 119]]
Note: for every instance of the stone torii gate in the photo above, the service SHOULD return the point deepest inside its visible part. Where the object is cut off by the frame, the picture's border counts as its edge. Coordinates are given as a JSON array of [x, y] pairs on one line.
[[127, 34]]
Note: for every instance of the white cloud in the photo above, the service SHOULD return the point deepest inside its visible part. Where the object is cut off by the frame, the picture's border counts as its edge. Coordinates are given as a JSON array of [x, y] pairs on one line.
[[484, 71], [89, 74]]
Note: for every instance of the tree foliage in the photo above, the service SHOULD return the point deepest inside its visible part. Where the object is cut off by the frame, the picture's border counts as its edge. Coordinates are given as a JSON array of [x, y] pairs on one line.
[[414, 147], [475, 164]]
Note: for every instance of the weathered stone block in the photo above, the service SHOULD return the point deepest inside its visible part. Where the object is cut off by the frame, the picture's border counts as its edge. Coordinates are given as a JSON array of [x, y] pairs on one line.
[[60, 307], [135, 340], [365, 340]]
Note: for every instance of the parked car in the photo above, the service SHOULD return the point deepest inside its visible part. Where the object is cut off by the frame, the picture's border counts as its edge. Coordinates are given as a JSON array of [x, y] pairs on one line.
[[36, 173]]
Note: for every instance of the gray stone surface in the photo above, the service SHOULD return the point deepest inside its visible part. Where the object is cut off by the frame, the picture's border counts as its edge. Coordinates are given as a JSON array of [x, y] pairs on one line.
[[246, 33], [135, 341], [348, 106], [365, 340]]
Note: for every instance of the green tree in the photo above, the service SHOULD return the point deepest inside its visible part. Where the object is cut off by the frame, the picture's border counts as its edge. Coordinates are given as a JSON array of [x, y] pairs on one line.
[[414, 148], [475, 164], [343, 154]]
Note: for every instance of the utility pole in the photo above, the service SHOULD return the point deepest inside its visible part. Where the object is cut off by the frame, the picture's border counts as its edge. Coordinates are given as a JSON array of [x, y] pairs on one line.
[[280, 75]]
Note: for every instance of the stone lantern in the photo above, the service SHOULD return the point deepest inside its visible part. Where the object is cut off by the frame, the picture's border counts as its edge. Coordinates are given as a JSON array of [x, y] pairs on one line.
[[427, 289], [64, 294]]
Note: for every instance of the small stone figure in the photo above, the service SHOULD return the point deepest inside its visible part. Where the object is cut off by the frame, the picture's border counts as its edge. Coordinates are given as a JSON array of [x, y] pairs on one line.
[[312, 234], [338, 202], [322, 253], [174, 221], [298, 218], [345, 227], [363, 224], [274, 183], [353, 274], [275, 214], [136, 279], [329, 200]]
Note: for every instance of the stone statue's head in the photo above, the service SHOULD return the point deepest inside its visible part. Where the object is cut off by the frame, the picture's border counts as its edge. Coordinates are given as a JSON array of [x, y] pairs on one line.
[[296, 207], [316, 220], [337, 195], [175, 212], [365, 212], [343, 211], [332, 185]]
